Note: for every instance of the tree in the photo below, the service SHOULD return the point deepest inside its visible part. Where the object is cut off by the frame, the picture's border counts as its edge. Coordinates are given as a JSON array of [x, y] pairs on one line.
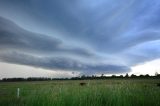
[[133, 76], [126, 75], [121, 76], [113, 76], [83, 77], [102, 75], [156, 74], [147, 75]]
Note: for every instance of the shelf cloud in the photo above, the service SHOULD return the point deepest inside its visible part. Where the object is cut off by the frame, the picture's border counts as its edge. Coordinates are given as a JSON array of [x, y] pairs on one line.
[[87, 36]]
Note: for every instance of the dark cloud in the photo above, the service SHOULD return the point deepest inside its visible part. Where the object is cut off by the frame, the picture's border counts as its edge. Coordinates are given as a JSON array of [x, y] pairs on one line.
[[17, 39], [117, 32], [103, 24], [61, 63], [14, 37]]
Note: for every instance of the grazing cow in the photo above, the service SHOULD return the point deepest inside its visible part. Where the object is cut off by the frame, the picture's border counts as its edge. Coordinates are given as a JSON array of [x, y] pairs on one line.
[[82, 83]]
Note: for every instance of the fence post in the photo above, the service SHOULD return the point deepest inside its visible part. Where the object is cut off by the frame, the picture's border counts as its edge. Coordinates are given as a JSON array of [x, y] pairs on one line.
[[18, 91]]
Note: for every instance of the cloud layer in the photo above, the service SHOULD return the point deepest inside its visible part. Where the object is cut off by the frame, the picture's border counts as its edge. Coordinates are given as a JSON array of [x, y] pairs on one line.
[[20, 46], [87, 36]]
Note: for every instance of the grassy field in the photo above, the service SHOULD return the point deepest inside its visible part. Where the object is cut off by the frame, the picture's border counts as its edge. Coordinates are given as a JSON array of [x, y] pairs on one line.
[[70, 93]]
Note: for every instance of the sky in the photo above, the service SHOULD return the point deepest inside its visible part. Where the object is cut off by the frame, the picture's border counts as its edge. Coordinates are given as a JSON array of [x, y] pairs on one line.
[[65, 38]]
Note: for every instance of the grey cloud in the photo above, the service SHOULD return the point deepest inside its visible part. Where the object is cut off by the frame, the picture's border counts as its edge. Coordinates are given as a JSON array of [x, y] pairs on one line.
[[98, 23], [14, 37], [104, 25], [115, 29], [142, 53], [61, 63], [133, 39]]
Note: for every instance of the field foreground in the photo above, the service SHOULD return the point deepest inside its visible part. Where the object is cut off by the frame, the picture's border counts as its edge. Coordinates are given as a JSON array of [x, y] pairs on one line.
[[131, 92]]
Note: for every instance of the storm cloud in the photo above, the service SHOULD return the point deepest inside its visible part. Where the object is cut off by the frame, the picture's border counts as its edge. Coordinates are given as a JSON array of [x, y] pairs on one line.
[[87, 36], [62, 63], [14, 40], [14, 37]]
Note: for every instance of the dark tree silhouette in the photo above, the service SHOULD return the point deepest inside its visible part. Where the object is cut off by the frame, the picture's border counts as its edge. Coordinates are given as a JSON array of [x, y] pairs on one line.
[[133, 76], [126, 76]]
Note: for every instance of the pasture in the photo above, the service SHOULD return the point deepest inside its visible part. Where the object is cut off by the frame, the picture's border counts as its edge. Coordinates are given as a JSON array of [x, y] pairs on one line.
[[111, 92]]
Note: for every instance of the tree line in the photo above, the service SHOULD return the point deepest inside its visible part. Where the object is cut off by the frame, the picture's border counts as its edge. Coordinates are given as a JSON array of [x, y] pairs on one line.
[[83, 77]]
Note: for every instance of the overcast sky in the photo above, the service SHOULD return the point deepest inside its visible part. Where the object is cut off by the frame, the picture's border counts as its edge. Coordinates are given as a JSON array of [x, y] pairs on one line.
[[72, 37]]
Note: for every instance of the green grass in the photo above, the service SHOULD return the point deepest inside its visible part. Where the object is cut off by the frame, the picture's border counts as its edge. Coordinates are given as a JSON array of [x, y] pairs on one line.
[[136, 92]]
